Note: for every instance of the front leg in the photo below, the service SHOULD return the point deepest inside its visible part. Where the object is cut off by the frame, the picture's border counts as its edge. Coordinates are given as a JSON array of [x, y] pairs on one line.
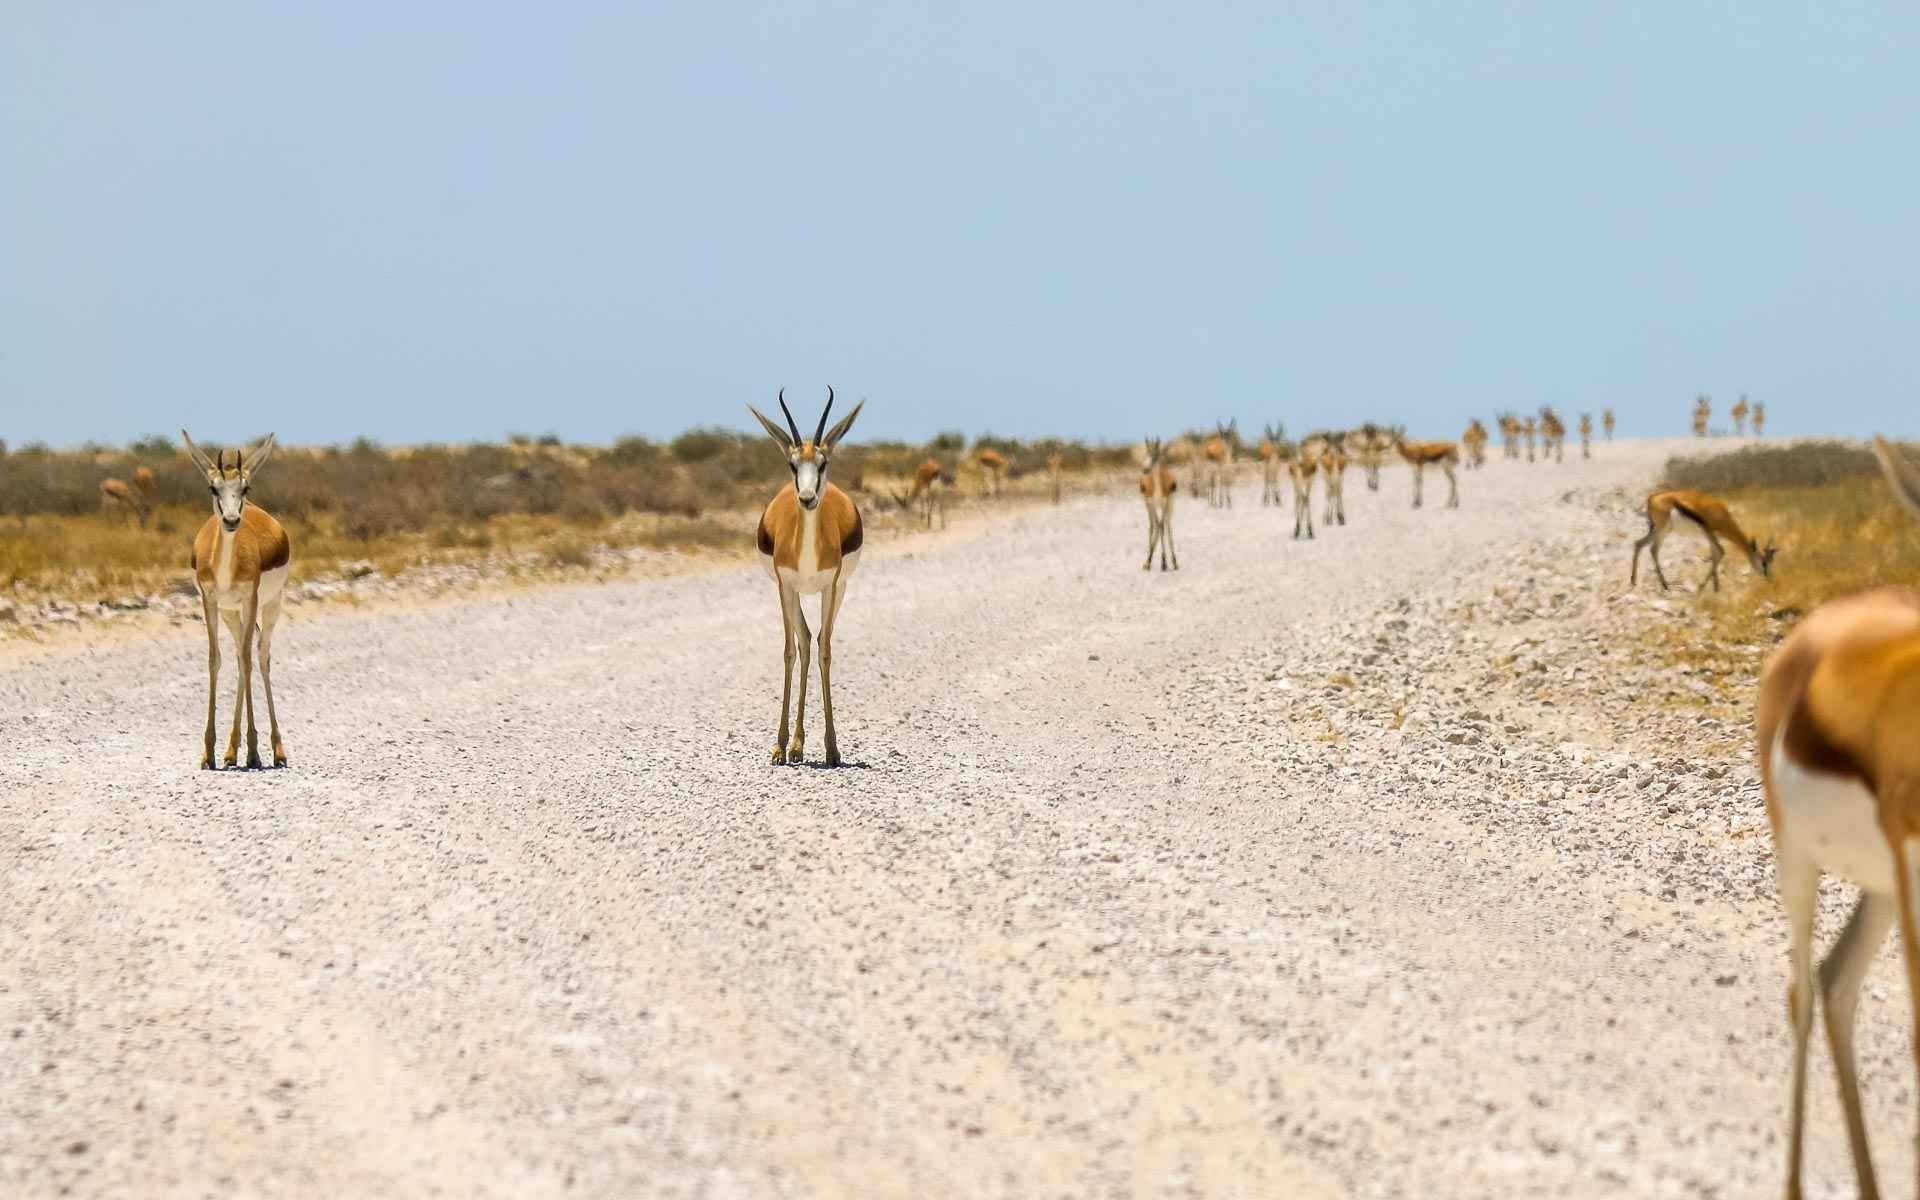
[[213, 673], [786, 678], [803, 640]]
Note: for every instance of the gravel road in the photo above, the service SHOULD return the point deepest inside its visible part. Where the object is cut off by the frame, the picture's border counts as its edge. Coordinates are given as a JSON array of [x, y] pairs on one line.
[[1236, 881]]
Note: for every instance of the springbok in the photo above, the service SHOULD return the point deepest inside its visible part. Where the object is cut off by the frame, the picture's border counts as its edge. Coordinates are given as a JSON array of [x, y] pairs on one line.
[[1056, 464], [1714, 521], [1300, 469], [240, 561], [1329, 454], [1510, 434], [1553, 435], [1702, 413], [1586, 435], [1475, 440], [1527, 430], [1759, 419], [1270, 465], [1157, 486], [927, 494], [1219, 452], [1739, 414], [1370, 447], [1838, 703], [137, 499], [1606, 422], [809, 540], [992, 463], [1421, 455]]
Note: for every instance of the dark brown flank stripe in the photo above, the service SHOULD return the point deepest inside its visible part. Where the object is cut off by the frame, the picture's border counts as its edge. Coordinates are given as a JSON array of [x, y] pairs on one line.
[[855, 536]]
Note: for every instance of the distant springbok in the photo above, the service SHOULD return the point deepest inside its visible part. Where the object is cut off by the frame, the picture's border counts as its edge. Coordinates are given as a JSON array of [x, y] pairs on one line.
[[993, 467], [1553, 435], [1270, 465], [1301, 469], [1838, 705], [1586, 435], [1739, 414], [930, 482], [809, 540], [1370, 447], [1328, 451], [1606, 422], [1759, 420], [1157, 486], [240, 561], [1527, 430], [1475, 441], [137, 500], [1702, 414], [1421, 455], [1219, 452], [1714, 521], [1510, 435]]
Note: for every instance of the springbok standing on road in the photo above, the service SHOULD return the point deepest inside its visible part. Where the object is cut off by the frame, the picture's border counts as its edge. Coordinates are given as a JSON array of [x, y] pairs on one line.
[[930, 482], [240, 561], [1219, 452], [1606, 422], [809, 540], [993, 465], [1586, 435], [1714, 521], [1834, 729], [1157, 486], [1759, 420], [1270, 465], [137, 499], [1421, 455], [1739, 414]]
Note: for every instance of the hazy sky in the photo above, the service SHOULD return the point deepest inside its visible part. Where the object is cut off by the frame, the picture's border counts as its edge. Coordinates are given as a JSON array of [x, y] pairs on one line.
[[447, 221]]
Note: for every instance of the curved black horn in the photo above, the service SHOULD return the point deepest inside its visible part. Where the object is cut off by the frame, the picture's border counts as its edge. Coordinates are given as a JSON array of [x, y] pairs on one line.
[[789, 415], [823, 416]]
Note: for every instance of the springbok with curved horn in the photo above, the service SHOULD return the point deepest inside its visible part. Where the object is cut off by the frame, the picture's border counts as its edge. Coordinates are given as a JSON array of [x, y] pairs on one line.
[[809, 539], [137, 499], [240, 561], [1834, 730], [1157, 486], [1714, 521]]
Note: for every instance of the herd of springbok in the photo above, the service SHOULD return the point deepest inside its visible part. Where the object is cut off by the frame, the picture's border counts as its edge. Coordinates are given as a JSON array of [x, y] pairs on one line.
[[1836, 724]]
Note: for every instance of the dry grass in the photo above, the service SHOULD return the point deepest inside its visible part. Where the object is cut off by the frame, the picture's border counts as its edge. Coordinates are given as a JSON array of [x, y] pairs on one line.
[[1839, 530], [527, 498]]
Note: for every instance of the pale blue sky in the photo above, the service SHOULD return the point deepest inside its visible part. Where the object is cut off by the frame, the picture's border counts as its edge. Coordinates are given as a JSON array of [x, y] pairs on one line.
[[446, 221]]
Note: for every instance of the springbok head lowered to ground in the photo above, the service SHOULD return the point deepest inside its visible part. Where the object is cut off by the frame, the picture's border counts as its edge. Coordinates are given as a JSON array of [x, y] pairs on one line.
[[807, 459], [229, 477]]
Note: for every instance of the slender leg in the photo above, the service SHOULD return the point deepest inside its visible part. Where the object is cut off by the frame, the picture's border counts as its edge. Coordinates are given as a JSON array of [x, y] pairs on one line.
[[830, 608], [787, 604], [232, 757], [1840, 978], [1633, 574], [1419, 475], [213, 673], [1453, 486], [1153, 536], [803, 641], [1799, 894], [1713, 563], [1166, 536], [248, 632], [269, 615], [1909, 938]]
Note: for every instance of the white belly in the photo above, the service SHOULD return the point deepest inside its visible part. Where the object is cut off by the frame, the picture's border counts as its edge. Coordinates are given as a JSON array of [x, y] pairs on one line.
[[810, 582], [230, 596], [1832, 820]]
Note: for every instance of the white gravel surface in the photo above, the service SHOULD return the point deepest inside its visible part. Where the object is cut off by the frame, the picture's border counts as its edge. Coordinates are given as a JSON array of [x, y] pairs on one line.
[[1370, 866]]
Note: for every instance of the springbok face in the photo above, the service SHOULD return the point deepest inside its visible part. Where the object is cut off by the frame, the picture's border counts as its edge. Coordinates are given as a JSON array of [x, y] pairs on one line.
[[807, 459], [229, 477]]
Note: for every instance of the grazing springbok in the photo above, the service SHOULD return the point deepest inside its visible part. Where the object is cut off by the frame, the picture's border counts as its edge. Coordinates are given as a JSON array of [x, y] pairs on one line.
[[1702, 413], [1157, 486], [137, 500], [1421, 455], [1839, 701], [1219, 452], [1759, 420], [809, 540], [930, 482], [992, 463], [1606, 422], [240, 562], [1553, 435], [1475, 440], [1300, 469], [1712, 519], [1739, 414], [1270, 466], [1056, 465], [1586, 435]]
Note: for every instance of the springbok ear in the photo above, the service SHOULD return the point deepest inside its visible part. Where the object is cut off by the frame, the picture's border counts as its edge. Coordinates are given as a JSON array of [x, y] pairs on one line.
[[839, 431], [199, 459], [1901, 474], [778, 434], [259, 457]]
